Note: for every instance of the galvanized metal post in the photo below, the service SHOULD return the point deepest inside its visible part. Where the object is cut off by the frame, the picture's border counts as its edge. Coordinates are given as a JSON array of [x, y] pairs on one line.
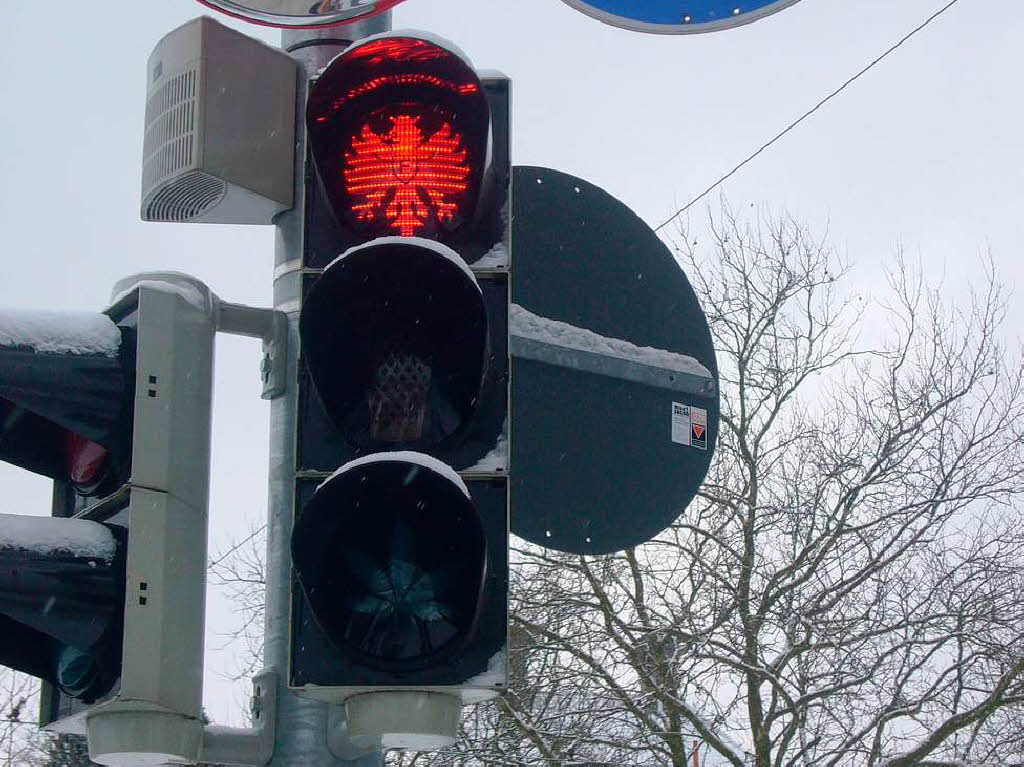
[[301, 727]]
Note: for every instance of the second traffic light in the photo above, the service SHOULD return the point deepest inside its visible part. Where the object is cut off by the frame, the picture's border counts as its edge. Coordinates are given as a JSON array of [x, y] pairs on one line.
[[400, 540], [114, 406]]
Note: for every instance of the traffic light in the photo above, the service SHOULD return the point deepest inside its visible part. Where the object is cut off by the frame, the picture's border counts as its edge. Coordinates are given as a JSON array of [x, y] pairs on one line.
[[115, 407], [66, 391], [62, 601], [399, 546]]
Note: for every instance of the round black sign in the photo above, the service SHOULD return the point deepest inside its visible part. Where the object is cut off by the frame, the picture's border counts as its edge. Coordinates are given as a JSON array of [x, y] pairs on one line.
[[610, 440]]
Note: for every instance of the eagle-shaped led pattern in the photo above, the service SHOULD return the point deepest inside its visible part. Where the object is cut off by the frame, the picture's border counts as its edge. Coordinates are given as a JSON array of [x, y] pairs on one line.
[[406, 169]]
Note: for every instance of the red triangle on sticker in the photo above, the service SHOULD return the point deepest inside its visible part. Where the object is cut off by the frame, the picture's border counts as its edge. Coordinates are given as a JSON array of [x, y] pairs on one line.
[[698, 430]]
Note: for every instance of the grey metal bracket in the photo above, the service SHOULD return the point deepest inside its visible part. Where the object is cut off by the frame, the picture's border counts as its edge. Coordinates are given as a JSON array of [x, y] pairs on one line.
[[270, 325], [248, 746], [584, 350]]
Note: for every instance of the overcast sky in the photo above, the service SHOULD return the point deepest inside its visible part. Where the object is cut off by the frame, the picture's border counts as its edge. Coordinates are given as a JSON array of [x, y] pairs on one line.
[[926, 150]]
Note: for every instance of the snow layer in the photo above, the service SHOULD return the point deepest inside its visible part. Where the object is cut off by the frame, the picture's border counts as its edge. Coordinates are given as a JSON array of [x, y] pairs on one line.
[[526, 324], [497, 458], [60, 332], [495, 675], [189, 293], [50, 535], [437, 247], [495, 257], [405, 456]]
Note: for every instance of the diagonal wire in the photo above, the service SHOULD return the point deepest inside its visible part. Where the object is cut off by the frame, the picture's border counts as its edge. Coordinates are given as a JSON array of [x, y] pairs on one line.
[[808, 113]]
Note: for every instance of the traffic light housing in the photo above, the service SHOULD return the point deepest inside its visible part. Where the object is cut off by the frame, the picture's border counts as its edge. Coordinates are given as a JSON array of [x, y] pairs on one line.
[[62, 584], [399, 546], [89, 601], [66, 384]]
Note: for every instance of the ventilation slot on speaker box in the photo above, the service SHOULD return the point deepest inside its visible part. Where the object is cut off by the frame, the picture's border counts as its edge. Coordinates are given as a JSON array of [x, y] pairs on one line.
[[170, 128], [187, 198]]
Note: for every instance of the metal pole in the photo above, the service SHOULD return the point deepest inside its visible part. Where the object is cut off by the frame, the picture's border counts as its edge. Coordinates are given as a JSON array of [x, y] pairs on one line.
[[301, 724]]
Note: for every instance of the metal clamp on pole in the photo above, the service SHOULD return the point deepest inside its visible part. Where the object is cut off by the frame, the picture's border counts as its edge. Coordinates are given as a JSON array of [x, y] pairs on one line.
[[270, 325], [249, 746]]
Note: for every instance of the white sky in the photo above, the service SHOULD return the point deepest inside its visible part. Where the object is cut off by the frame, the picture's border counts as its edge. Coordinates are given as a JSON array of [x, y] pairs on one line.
[[927, 149]]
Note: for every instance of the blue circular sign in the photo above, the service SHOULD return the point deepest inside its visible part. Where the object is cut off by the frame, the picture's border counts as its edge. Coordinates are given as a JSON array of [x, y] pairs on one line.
[[678, 17]]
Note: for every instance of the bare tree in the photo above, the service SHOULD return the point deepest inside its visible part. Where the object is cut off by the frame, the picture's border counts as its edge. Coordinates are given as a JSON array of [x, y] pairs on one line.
[[21, 743], [848, 588], [239, 570]]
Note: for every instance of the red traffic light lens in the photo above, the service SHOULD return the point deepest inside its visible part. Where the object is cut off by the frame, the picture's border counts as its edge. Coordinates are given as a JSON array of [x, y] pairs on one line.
[[40, 445], [399, 128], [85, 459], [406, 171]]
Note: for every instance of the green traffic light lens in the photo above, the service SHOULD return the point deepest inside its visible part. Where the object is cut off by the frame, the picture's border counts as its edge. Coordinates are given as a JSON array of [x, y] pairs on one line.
[[391, 556], [76, 671], [403, 600]]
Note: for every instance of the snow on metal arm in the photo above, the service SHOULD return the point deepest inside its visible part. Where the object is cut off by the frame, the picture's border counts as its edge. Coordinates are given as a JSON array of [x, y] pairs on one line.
[[559, 343]]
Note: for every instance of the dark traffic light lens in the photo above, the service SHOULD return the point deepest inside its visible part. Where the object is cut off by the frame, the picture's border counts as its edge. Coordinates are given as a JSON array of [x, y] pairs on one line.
[[391, 556], [404, 599], [395, 337], [76, 672]]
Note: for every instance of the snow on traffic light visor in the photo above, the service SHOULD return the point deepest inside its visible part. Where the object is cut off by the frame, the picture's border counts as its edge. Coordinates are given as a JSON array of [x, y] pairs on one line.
[[399, 128]]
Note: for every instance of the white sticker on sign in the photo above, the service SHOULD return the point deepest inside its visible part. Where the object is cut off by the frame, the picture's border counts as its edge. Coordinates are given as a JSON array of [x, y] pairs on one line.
[[680, 423], [690, 425]]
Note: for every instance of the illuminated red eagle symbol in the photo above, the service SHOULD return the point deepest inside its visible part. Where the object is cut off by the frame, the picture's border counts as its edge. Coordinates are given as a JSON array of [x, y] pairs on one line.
[[406, 169]]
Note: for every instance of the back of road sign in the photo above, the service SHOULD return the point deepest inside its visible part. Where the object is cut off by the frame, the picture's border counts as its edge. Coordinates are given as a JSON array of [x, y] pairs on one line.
[[609, 446], [678, 17]]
